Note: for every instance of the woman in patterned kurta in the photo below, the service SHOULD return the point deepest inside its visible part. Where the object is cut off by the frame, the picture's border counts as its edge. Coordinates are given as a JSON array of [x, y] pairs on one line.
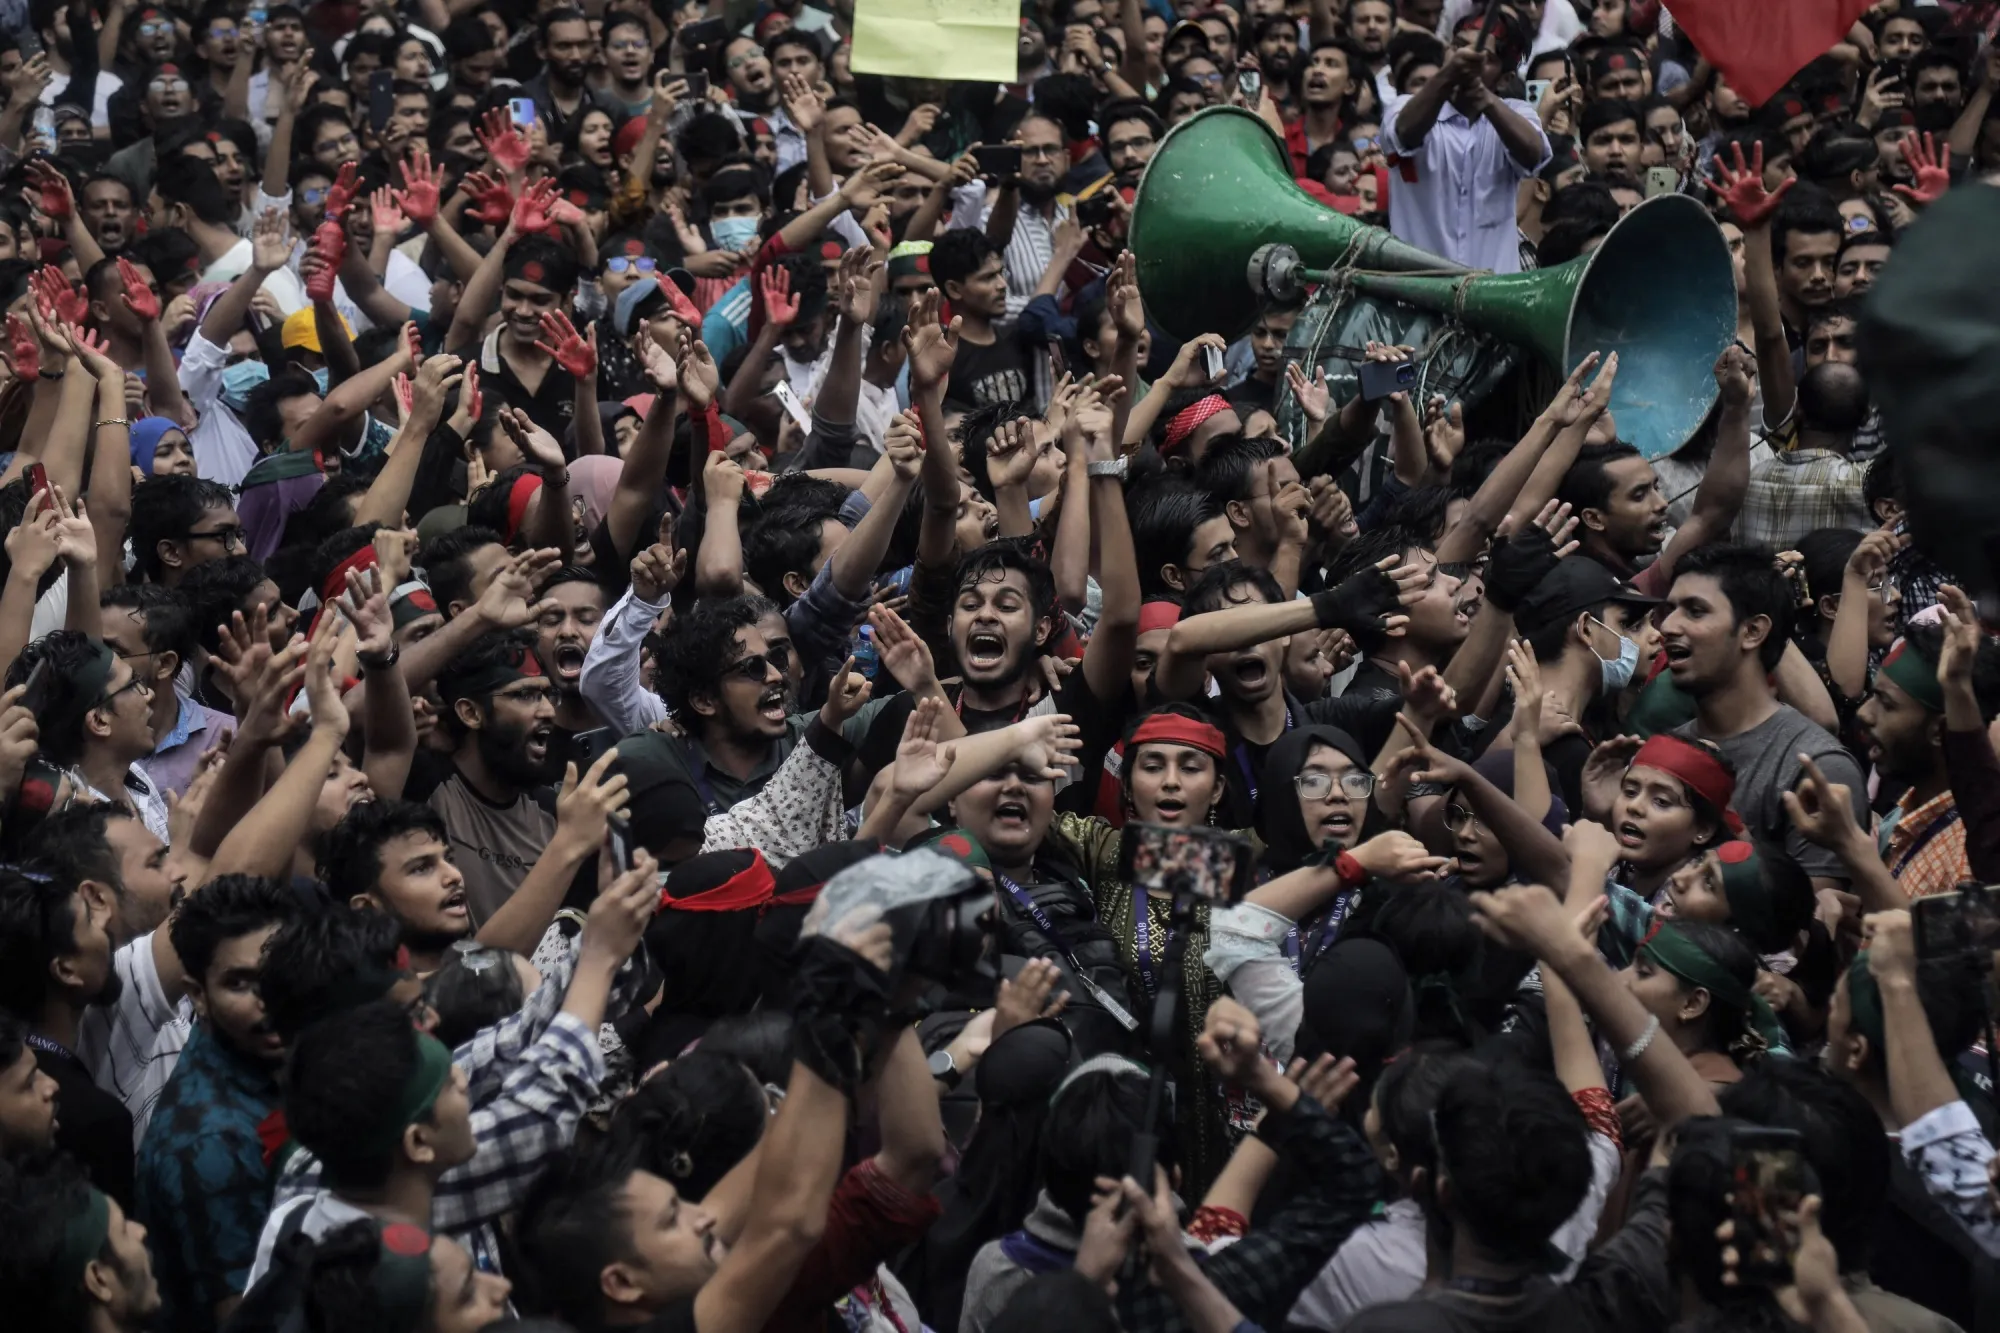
[[1172, 775]]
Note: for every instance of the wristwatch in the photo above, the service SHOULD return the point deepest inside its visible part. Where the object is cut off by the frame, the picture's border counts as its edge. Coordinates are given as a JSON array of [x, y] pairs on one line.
[[379, 661], [1115, 467], [945, 1069]]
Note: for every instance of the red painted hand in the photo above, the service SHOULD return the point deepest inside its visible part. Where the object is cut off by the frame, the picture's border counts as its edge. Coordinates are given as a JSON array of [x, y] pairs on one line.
[[492, 201], [678, 303], [531, 210], [138, 294], [505, 144], [570, 351], [780, 306], [24, 349], [330, 248], [340, 196], [1742, 189], [1928, 163], [422, 189]]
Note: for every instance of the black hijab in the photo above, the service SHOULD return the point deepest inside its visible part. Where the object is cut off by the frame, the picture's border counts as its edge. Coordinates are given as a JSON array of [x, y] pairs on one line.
[[1279, 820]]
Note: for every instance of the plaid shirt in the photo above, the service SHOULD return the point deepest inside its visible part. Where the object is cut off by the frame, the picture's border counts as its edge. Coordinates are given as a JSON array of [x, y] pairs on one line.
[[1925, 847], [1799, 492], [1263, 1273], [524, 1109]]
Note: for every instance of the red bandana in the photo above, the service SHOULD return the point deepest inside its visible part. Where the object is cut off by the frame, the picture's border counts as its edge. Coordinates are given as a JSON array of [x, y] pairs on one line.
[[517, 502], [1694, 766], [1158, 615], [1173, 729], [750, 887], [1190, 417]]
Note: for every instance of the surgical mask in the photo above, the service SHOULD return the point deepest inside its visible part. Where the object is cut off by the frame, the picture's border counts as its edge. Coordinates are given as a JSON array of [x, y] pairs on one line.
[[238, 380], [1616, 673], [733, 233]]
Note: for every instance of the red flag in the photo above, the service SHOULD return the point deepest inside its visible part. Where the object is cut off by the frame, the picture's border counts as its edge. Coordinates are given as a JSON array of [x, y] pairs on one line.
[[1759, 44]]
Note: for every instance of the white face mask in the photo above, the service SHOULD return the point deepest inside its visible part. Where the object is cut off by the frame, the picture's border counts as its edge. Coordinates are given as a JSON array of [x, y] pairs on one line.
[[1615, 673]]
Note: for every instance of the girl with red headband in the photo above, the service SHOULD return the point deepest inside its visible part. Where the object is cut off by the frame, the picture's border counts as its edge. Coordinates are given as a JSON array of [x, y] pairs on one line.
[[1671, 803]]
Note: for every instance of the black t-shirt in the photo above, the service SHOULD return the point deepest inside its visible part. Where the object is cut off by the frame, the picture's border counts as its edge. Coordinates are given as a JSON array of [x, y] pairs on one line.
[[91, 1125], [1099, 724], [1000, 372]]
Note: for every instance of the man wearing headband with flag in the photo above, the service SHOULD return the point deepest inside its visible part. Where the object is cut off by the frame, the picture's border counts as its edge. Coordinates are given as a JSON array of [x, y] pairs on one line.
[[71, 1260]]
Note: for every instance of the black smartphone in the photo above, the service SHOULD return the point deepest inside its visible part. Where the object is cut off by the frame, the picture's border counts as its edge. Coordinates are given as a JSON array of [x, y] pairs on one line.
[[1956, 925], [697, 84], [30, 43], [704, 33], [622, 845], [1768, 1178], [381, 99], [1211, 864], [1379, 379], [589, 746], [1000, 161]]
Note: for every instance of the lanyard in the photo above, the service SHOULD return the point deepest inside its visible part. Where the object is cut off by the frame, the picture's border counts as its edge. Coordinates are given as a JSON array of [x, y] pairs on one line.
[[54, 1048], [706, 792], [1243, 759], [1035, 913], [1326, 935], [1923, 840], [1142, 938]]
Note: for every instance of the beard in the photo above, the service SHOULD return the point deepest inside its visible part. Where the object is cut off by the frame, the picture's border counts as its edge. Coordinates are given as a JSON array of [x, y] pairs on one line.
[[505, 752], [112, 992], [432, 941], [1038, 194]]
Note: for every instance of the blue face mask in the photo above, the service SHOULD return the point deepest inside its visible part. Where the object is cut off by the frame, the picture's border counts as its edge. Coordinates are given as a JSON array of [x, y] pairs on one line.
[[238, 380], [1616, 673], [733, 233]]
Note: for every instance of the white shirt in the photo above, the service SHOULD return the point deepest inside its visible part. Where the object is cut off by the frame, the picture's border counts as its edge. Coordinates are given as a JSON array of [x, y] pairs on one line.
[[283, 285], [1455, 192], [131, 1048], [223, 450], [100, 101]]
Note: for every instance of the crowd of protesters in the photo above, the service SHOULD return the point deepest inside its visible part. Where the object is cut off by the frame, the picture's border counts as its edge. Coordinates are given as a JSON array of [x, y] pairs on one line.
[[530, 529]]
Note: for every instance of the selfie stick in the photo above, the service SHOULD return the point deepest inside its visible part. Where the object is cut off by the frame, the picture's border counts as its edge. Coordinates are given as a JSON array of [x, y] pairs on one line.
[[1160, 1033], [1486, 25]]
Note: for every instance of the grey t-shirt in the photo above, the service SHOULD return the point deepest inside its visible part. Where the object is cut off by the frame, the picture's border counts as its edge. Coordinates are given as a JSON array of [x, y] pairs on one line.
[[1767, 766]]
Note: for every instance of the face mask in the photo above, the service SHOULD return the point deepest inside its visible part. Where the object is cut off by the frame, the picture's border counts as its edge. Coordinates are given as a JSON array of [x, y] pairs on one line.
[[733, 233], [239, 379], [1616, 673]]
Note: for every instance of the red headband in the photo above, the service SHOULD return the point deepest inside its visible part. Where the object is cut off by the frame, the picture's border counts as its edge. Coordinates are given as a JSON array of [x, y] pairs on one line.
[[336, 582], [1701, 771], [517, 501], [749, 887], [1173, 729], [1191, 416], [1158, 615]]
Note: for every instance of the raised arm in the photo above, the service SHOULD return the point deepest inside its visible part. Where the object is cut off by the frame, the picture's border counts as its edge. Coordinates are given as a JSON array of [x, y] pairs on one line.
[[263, 841], [1723, 486], [584, 808], [388, 496], [109, 497], [1502, 489], [1742, 189]]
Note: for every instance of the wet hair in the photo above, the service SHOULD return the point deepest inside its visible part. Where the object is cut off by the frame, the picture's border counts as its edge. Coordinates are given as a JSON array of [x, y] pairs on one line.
[[1806, 210], [446, 560], [1164, 514], [311, 965], [217, 590], [761, 1040], [343, 1081], [164, 509], [1515, 1148], [957, 255], [571, 1224], [227, 908], [1431, 928], [1226, 468], [1825, 552], [692, 1122], [38, 919], [185, 180], [1587, 484], [261, 417], [68, 652], [976, 430], [351, 861], [1213, 590], [1752, 588], [1604, 111]]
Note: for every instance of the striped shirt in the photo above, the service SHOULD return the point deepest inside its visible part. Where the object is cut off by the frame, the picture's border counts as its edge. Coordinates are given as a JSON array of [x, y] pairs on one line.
[[131, 1048]]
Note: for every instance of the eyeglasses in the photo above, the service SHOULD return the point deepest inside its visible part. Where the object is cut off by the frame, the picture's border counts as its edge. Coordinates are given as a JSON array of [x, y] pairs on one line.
[[757, 667], [313, 196], [1317, 784], [137, 684], [1041, 150], [170, 84], [230, 535], [156, 28], [1458, 819], [1368, 145], [632, 44], [1210, 79], [628, 264], [533, 696]]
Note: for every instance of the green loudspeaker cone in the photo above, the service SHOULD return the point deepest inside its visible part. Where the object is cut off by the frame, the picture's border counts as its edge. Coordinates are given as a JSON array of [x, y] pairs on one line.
[[1219, 186], [1660, 291]]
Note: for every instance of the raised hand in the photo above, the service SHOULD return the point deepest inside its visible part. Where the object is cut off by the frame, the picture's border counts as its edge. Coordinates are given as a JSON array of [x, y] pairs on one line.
[[657, 571], [700, 381], [1741, 188], [1048, 746], [1232, 1043], [435, 379], [423, 186], [509, 600], [56, 200], [504, 143], [384, 218], [774, 286], [846, 693], [137, 294], [270, 241], [56, 299], [1930, 165], [803, 103], [902, 651], [24, 349], [329, 249], [1029, 994], [1314, 398], [340, 196], [586, 804], [1735, 369], [540, 448], [922, 760], [1822, 811], [492, 201], [931, 346], [395, 552], [1962, 638], [76, 541], [366, 606], [531, 210], [570, 350]]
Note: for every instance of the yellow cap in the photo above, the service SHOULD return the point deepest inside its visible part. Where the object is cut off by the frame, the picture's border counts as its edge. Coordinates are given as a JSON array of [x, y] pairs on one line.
[[301, 331]]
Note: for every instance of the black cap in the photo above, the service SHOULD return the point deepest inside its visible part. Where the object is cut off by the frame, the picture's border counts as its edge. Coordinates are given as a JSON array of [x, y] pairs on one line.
[[1574, 585]]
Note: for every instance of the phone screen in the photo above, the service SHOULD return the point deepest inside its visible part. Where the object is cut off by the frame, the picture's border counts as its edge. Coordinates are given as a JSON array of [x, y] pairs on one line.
[[1202, 862], [1767, 1183], [1954, 925], [523, 111], [1000, 161], [381, 98]]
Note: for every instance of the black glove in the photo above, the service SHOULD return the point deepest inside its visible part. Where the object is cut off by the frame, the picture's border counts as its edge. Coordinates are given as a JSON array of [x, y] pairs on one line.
[[842, 1002], [1518, 563], [1360, 603]]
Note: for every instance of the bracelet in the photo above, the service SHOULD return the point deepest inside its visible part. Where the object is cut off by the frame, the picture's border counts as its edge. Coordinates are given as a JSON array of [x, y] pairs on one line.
[[1349, 870], [115, 421], [378, 661], [1644, 1040]]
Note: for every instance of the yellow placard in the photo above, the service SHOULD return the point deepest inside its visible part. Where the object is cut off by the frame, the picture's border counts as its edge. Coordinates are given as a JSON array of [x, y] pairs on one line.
[[974, 40]]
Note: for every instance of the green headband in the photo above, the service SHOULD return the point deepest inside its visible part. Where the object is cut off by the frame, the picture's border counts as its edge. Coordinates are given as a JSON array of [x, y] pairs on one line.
[[1917, 677], [1744, 886], [94, 676], [955, 843], [83, 1238], [1672, 950], [1864, 1004], [402, 1279], [420, 1092]]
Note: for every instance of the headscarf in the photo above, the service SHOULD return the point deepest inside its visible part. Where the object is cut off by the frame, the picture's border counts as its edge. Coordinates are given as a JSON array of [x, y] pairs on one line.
[[1279, 820], [593, 479], [1357, 1003], [1748, 889], [704, 941], [144, 439]]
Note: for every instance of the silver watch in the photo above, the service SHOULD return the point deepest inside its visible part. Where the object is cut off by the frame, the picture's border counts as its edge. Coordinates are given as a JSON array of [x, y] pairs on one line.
[[1114, 468]]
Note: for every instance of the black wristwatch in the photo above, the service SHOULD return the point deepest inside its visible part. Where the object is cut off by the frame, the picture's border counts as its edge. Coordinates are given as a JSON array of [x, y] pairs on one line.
[[379, 661], [945, 1069]]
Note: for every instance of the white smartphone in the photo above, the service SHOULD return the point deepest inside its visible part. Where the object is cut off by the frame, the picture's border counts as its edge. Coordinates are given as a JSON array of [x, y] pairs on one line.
[[790, 402]]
